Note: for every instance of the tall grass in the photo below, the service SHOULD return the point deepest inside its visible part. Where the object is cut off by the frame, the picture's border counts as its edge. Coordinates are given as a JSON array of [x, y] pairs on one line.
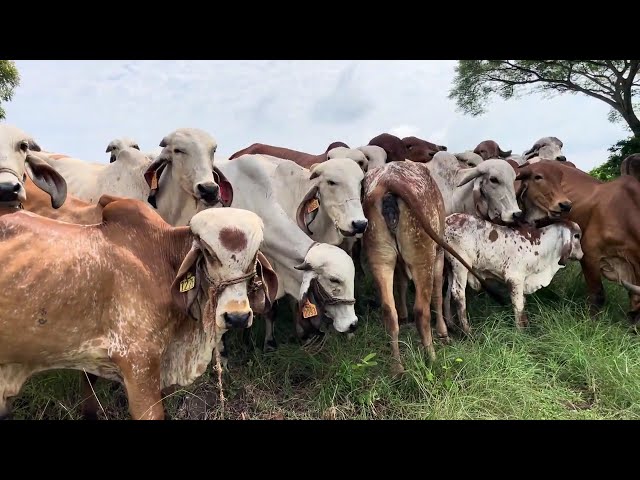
[[564, 366]]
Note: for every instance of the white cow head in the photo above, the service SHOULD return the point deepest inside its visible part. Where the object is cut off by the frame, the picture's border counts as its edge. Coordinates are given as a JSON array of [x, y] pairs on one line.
[[337, 190], [571, 246], [376, 155], [327, 290], [469, 158], [17, 160], [188, 152], [224, 261], [354, 154], [547, 148], [493, 190], [116, 145]]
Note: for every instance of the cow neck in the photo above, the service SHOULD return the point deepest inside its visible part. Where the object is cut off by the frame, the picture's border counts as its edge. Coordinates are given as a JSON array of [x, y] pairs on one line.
[[175, 205], [323, 227]]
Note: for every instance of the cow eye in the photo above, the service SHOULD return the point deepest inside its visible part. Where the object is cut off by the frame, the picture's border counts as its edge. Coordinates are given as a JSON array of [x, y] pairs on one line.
[[24, 146], [331, 182], [493, 180], [335, 280], [577, 235], [538, 177], [177, 150]]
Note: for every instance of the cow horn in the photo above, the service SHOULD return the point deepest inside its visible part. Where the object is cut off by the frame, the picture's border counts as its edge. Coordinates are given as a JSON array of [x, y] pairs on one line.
[[631, 287]]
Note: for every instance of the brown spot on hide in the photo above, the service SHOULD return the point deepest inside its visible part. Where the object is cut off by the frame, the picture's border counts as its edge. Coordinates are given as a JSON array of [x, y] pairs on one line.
[[536, 253], [233, 239], [493, 236], [528, 232], [457, 220]]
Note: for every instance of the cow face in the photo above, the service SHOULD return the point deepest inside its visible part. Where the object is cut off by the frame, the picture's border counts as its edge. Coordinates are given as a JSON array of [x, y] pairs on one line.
[[17, 159], [490, 149], [188, 154], [571, 246], [337, 187], [547, 148], [223, 262], [354, 154], [493, 190], [327, 291], [420, 150], [118, 144], [376, 156], [540, 192]]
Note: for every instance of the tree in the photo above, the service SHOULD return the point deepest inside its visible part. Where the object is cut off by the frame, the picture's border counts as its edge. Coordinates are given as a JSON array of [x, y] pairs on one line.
[[621, 150], [9, 80], [614, 82]]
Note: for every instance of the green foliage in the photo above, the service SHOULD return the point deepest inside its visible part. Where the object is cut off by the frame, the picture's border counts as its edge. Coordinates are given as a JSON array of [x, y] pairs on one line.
[[9, 80], [621, 150], [614, 82]]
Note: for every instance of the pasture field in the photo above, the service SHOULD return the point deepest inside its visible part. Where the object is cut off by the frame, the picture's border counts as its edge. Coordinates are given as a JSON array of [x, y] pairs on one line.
[[565, 366]]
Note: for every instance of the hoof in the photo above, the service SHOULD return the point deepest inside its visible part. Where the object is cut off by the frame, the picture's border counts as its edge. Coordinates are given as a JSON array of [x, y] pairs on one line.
[[431, 353], [270, 346], [445, 339], [397, 369]]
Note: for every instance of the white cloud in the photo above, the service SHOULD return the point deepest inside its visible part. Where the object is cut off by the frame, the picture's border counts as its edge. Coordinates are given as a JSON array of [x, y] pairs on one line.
[[77, 107]]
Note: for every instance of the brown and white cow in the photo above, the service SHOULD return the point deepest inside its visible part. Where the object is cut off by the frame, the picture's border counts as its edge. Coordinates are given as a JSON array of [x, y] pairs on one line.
[[406, 223], [525, 258], [421, 150], [151, 323]]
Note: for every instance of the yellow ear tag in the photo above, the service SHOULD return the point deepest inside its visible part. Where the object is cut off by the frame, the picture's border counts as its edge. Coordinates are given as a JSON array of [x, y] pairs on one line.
[[187, 283], [313, 205], [154, 181], [309, 310]]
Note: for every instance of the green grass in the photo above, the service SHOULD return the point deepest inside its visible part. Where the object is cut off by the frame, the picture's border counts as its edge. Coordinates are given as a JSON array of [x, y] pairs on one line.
[[564, 366]]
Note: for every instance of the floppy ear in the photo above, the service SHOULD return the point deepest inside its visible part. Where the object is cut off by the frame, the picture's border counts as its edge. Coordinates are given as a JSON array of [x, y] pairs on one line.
[[186, 285], [110, 147], [481, 203], [262, 300], [566, 247], [524, 174], [303, 267], [47, 179], [307, 210], [152, 177], [33, 146], [532, 152], [226, 190], [469, 175], [314, 172]]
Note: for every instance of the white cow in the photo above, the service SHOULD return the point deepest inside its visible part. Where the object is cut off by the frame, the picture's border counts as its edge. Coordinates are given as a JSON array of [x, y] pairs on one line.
[[116, 145], [18, 158], [179, 182], [354, 154], [547, 148], [525, 258], [376, 155], [469, 158], [308, 271]]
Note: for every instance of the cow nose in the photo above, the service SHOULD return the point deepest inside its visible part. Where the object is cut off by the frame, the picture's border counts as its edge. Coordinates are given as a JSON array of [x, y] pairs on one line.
[[517, 214], [9, 191], [565, 206], [359, 226], [208, 192], [561, 158], [237, 319], [353, 326]]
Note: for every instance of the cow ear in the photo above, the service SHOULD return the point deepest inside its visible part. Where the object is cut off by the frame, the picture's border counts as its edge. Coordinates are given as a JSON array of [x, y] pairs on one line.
[[468, 175], [152, 177], [226, 189], [262, 300], [186, 284], [110, 147], [566, 247], [33, 145], [47, 179], [307, 210], [524, 174]]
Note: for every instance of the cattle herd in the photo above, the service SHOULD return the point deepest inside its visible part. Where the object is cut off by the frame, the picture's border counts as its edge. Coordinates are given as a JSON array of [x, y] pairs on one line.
[[134, 270]]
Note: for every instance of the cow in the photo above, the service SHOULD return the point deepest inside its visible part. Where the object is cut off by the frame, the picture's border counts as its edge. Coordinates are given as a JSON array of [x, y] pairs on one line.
[[181, 181], [376, 156], [421, 150], [18, 159], [306, 160], [318, 276], [116, 145], [540, 194], [546, 148], [607, 215], [395, 149], [469, 158], [488, 149], [631, 166], [153, 322], [525, 258], [406, 213]]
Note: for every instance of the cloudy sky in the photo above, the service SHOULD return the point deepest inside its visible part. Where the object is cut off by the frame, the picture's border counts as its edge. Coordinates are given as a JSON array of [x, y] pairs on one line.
[[77, 107]]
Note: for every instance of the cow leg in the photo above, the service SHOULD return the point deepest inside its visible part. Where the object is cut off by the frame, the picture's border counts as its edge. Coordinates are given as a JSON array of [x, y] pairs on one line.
[[383, 276], [402, 283], [516, 288], [142, 384], [436, 296], [270, 344], [458, 287], [447, 299], [12, 378], [422, 278], [89, 400], [595, 289]]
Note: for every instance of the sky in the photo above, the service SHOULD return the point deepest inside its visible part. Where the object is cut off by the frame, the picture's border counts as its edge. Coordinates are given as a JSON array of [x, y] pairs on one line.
[[77, 107]]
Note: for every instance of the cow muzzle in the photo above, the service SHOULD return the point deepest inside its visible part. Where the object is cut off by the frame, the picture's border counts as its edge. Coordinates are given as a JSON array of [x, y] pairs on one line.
[[9, 191], [238, 319], [208, 193]]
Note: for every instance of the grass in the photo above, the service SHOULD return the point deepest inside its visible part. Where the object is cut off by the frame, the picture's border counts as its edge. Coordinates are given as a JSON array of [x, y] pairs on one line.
[[564, 366]]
